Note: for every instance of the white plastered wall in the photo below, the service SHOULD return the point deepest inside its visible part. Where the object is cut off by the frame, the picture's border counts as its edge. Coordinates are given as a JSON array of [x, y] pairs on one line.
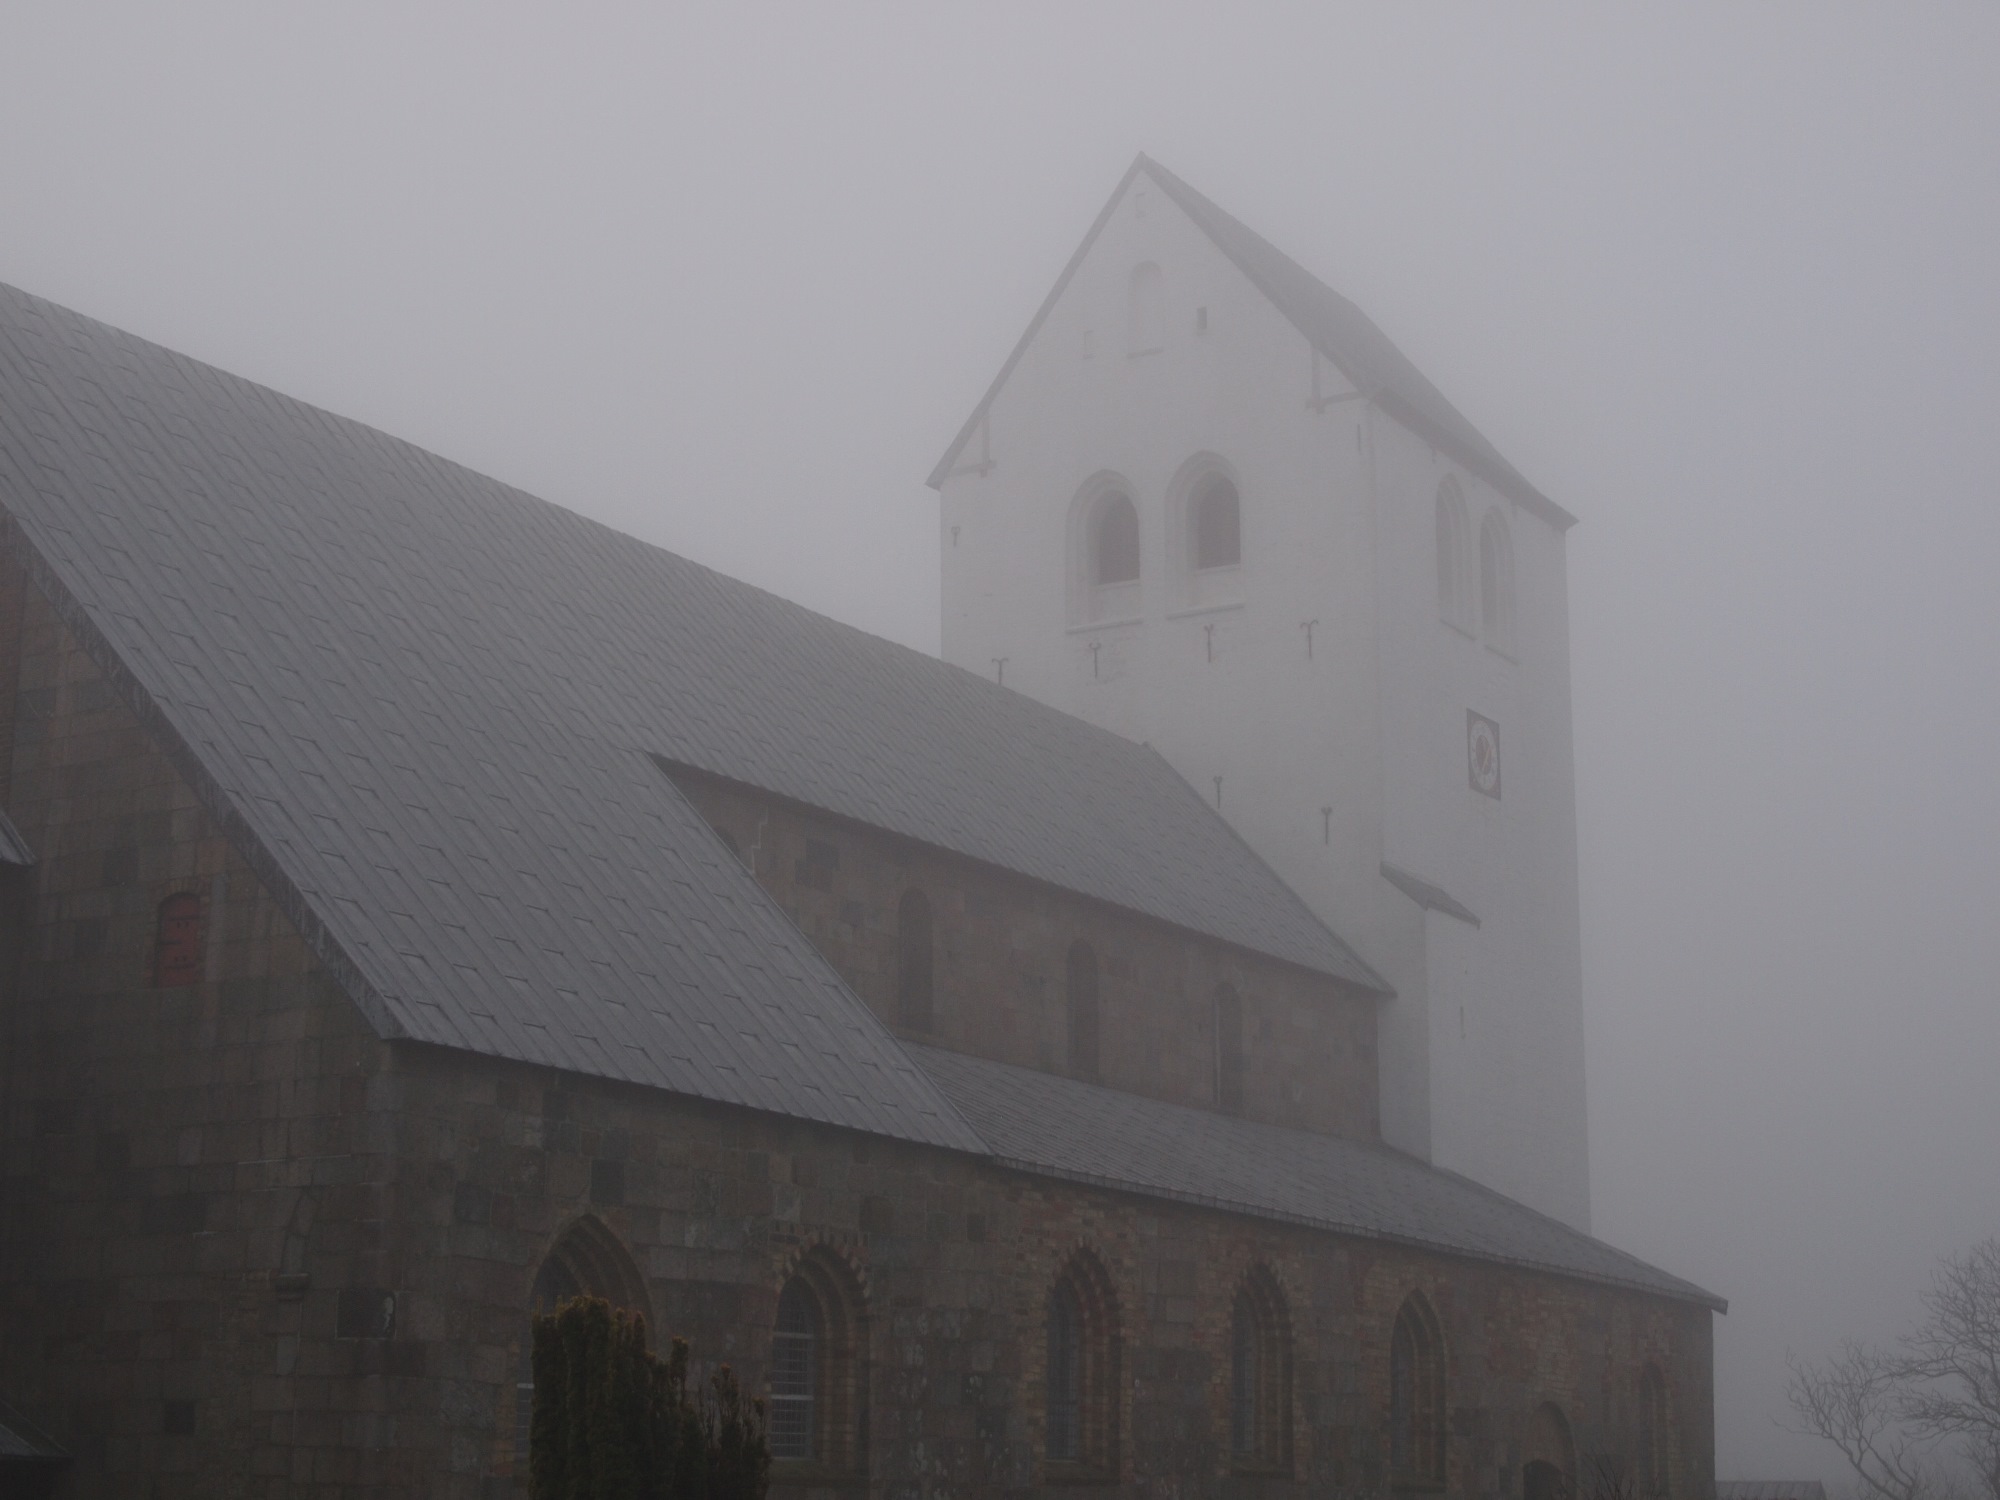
[[1329, 762]]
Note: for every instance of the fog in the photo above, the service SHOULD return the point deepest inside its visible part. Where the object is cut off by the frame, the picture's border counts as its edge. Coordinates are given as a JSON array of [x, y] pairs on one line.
[[1719, 280]]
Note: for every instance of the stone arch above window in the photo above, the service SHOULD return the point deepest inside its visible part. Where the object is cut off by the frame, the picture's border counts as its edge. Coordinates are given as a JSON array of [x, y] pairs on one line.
[[819, 1359], [1080, 1376], [915, 962], [1654, 1468], [1228, 1049], [1496, 581], [1456, 591], [1416, 1396], [1107, 561], [1080, 1005], [1260, 1376], [177, 945], [587, 1260], [1146, 309], [1548, 1453]]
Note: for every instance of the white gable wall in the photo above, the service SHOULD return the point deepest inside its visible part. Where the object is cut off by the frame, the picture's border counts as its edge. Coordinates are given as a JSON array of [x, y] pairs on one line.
[[1337, 529]]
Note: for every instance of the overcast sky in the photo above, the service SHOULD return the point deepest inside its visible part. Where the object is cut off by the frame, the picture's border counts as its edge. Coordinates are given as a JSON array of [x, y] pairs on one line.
[[1722, 281]]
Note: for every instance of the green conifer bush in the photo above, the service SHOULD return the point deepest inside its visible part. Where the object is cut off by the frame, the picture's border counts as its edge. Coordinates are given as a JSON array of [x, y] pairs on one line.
[[611, 1421]]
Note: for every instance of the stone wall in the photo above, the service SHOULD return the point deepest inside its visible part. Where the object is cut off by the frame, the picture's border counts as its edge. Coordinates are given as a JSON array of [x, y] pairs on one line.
[[248, 1249], [1000, 947]]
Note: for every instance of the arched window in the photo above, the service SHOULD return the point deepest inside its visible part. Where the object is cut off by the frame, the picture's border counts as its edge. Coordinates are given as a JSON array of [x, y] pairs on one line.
[[914, 957], [1655, 1479], [1260, 1376], [1080, 998], [1114, 541], [177, 941], [587, 1261], [1454, 557], [1548, 1471], [1216, 525], [1416, 1396], [1148, 317], [818, 1373], [1065, 1375], [1496, 581], [1080, 1408], [1228, 1049]]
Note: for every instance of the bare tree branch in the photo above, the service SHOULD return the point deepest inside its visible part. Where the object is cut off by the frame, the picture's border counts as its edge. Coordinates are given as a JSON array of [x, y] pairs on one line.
[[1857, 1401], [1952, 1361]]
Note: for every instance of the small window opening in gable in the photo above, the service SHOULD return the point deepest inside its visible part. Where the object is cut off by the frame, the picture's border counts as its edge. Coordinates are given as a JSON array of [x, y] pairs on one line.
[[1147, 312], [915, 956], [1080, 999], [1228, 1049], [177, 941], [1201, 320], [1218, 525]]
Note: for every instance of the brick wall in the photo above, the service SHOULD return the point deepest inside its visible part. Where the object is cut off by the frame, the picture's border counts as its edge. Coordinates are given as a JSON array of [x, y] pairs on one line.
[[1001, 944]]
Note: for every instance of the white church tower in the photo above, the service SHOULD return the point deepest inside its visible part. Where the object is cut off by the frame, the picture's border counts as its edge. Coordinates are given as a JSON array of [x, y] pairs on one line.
[[1208, 505]]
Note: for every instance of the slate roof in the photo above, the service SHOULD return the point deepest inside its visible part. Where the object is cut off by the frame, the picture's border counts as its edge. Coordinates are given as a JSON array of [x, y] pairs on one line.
[[1058, 1127], [14, 849], [426, 703], [23, 1445], [1339, 330]]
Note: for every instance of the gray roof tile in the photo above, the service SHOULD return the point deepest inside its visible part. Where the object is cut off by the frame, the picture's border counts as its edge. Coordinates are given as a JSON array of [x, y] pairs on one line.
[[1059, 1127], [431, 700]]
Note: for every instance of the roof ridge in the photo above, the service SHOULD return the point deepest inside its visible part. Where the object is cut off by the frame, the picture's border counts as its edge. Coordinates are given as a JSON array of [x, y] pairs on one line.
[[1350, 338]]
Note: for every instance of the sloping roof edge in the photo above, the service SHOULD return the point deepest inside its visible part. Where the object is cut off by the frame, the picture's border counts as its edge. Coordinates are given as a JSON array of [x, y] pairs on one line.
[[14, 849], [1431, 897], [942, 472], [1373, 980], [187, 761], [1467, 447]]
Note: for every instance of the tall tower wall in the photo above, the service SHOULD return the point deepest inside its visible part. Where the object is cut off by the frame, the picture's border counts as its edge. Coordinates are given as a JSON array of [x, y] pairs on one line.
[[1312, 689]]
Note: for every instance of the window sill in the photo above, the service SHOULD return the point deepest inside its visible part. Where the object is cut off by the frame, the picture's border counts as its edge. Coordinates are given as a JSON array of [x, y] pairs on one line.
[[1195, 611], [1142, 353], [1121, 623]]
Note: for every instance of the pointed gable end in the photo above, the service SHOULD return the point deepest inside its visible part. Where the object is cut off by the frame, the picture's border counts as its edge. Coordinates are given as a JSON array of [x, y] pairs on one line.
[[1343, 334]]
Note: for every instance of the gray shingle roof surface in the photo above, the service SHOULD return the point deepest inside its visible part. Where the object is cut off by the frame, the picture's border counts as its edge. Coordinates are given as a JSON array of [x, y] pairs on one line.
[[1341, 332], [1081, 1132], [22, 1443], [430, 700], [14, 849]]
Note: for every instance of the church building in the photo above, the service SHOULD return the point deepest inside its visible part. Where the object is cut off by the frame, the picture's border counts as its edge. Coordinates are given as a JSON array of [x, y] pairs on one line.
[[1139, 1053]]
